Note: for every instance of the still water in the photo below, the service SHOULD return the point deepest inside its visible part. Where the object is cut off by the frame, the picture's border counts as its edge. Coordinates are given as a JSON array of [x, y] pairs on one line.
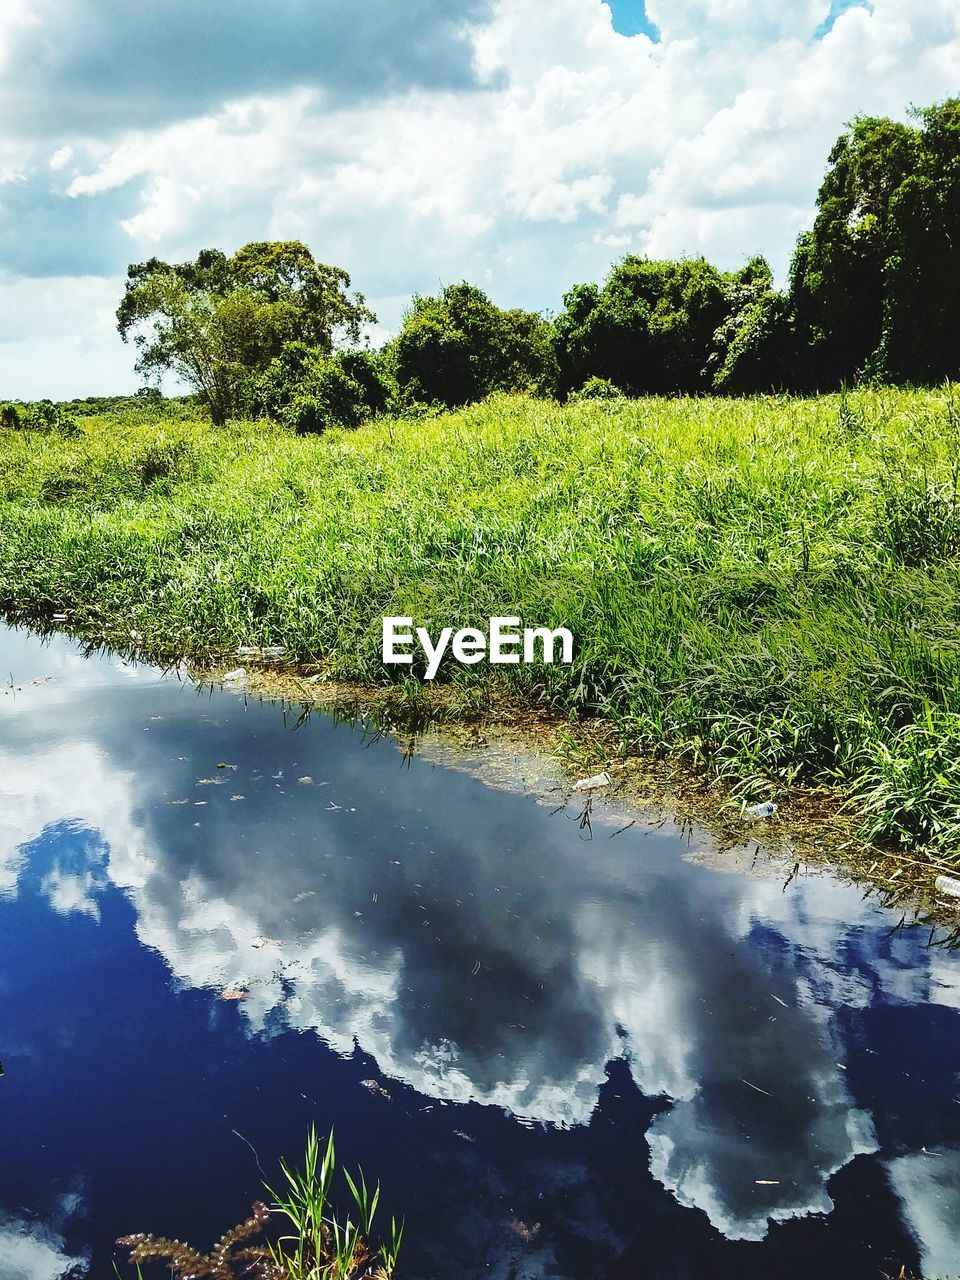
[[561, 1057]]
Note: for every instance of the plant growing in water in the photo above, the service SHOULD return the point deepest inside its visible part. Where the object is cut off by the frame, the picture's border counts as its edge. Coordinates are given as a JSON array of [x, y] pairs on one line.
[[321, 1246]]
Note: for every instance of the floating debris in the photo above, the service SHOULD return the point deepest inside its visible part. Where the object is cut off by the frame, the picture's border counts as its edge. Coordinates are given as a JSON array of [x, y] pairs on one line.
[[223, 765], [373, 1087], [949, 885], [526, 1233], [238, 673], [260, 941], [757, 1087], [235, 993], [592, 784], [765, 810]]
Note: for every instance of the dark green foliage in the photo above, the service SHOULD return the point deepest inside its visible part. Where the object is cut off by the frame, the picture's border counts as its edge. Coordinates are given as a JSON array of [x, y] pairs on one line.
[[310, 392], [876, 283], [147, 403], [40, 415], [283, 379], [650, 328], [459, 347], [756, 348], [874, 292], [874, 287]]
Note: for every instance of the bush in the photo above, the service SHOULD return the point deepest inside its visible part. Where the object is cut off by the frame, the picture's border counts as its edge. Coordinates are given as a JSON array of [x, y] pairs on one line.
[[309, 392], [459, 347], [650, 328], [43, 415], [598, 389]]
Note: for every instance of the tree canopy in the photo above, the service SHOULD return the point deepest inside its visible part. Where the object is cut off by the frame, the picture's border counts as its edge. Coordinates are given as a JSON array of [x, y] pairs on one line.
[[459, 347], [876, 283], [218, 321], [873, 293]]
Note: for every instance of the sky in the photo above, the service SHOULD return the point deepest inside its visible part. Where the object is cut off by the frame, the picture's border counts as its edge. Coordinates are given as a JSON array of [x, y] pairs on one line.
[[524, 145]]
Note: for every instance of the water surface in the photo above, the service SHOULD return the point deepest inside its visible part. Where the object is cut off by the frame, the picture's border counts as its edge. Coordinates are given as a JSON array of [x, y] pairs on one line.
[[561, 1057]]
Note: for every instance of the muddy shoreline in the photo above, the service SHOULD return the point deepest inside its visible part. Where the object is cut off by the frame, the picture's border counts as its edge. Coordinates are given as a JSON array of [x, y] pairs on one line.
[[544, 755], [533, 749]]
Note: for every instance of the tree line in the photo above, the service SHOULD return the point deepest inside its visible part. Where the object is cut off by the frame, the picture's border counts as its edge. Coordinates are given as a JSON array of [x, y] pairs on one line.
[[873, 294]]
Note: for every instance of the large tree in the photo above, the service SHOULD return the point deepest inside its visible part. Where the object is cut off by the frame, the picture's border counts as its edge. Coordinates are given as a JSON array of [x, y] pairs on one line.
[[876, 282], [217, 322]]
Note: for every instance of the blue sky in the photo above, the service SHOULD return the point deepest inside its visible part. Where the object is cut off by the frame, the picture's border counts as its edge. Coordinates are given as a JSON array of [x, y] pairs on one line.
[[630, 18], [521, 144]]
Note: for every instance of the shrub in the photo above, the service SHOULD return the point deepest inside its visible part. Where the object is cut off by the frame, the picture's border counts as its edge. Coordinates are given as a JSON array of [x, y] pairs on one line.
[[42, 415], [598, 389], [309, 392], [459, 347]]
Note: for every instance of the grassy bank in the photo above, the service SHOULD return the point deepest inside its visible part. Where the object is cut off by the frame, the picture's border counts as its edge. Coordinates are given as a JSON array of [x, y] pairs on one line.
[[766, 586]]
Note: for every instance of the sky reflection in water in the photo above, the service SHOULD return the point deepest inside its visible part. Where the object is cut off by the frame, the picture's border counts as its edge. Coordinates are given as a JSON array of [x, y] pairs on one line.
[[658, 1063]]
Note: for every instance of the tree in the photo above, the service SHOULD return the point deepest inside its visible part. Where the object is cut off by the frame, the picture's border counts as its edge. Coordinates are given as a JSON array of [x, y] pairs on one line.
[[217, 322], [650, 328], [460, 347], [284, 272], [875, 282], [920, 340]]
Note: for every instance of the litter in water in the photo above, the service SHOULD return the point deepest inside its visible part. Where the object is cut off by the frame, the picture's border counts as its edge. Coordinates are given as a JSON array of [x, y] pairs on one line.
[[765, 810], [592, 784]]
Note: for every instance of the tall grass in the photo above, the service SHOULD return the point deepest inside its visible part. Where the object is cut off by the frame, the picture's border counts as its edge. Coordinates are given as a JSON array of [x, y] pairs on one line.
[[319, 1243], [768, 587]]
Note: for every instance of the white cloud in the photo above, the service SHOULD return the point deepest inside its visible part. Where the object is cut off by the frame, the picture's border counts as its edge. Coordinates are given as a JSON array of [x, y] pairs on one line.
[[58, 338], [32, 1251], [16, 16], [928, 1184], [585, 144], [61, 158]]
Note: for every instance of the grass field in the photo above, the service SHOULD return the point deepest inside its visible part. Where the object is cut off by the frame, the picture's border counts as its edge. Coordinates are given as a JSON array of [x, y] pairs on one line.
[[768, 587]]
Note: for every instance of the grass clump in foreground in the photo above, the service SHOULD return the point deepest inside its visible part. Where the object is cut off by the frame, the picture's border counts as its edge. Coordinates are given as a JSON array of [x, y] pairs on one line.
[[321, 1245], [767, 587]]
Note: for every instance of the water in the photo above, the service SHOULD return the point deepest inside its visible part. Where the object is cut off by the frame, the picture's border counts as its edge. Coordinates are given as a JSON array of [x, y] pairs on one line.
[[589, 1059]]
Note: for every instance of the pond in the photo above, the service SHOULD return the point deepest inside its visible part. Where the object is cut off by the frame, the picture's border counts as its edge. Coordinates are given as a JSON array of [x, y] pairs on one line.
[[561, 1057]]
